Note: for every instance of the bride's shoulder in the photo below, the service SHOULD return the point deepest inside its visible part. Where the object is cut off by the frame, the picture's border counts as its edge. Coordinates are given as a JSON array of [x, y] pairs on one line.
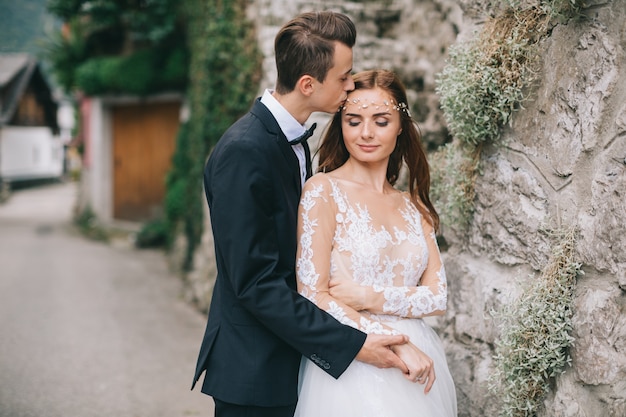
[[318, 180], [320, 177]]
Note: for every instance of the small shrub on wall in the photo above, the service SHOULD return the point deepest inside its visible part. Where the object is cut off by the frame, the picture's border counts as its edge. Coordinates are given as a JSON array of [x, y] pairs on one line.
[[535, 333], [484, 82]]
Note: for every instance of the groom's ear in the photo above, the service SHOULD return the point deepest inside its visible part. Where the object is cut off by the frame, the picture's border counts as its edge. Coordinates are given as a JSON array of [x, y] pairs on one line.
[[305, 85]]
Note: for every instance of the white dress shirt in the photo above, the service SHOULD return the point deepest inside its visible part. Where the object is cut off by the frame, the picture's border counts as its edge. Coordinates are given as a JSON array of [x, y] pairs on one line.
[[290, 127]]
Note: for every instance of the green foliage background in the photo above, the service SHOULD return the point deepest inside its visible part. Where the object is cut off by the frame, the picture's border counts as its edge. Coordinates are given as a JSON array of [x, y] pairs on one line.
[[109, 47], [205, 48], [224, 74]]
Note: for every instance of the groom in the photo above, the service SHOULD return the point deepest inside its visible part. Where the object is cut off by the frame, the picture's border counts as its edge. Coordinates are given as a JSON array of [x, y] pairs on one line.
[[258, 325]]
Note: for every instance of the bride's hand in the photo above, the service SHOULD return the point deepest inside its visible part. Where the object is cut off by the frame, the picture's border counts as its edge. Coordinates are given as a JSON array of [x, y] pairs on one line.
[[348, 292], [421, 367]]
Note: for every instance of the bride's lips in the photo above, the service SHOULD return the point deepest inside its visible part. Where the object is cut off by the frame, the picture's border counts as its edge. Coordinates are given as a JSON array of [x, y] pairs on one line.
[[368, 148]]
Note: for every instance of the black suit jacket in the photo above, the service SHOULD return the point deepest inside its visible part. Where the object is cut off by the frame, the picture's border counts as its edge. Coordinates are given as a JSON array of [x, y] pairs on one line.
[[258, 325]]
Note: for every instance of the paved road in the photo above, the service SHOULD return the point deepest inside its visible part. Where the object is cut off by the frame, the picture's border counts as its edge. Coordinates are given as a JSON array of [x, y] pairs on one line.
[[88, 329]]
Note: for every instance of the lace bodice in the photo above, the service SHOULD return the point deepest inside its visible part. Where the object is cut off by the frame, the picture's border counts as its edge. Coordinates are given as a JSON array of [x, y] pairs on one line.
[[378, 241]]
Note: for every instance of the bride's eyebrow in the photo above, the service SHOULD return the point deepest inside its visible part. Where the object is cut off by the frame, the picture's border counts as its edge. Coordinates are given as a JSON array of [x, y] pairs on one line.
[[375, 115]]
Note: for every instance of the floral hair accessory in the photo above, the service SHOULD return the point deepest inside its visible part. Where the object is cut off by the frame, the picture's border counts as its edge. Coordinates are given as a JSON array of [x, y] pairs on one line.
[[386, 105]]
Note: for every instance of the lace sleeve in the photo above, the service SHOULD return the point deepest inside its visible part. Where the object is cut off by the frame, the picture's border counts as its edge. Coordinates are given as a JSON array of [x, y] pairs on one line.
[[429, 298], [316, 227]]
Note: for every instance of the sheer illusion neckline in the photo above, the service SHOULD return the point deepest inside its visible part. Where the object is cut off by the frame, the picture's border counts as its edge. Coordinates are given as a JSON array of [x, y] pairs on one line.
[[389, 193]]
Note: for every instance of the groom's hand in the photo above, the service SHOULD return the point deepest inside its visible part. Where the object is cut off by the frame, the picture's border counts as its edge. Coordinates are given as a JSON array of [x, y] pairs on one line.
[[377, 351]]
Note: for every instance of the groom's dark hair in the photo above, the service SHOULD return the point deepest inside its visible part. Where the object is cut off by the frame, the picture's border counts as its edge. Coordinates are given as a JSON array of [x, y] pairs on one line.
[[306, 46]]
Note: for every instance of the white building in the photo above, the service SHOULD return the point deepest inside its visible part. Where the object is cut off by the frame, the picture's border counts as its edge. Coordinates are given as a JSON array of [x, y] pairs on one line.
[[30, 144]]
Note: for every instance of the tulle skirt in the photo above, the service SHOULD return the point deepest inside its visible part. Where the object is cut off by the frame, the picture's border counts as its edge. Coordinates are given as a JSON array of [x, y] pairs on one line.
[[364, 390]]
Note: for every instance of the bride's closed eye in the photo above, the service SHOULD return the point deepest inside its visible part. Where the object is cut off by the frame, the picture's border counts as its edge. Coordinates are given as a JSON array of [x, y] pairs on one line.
[[379, 122]]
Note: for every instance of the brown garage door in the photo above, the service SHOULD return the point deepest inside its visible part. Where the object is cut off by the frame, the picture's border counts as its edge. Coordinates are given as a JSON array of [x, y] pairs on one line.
[[144, 139]]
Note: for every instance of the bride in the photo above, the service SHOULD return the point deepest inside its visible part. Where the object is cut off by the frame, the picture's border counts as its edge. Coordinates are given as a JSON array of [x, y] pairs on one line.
[[367, 254]]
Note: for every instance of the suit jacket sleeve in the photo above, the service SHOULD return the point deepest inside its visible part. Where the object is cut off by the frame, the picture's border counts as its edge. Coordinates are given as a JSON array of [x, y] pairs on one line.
[[253, 206]]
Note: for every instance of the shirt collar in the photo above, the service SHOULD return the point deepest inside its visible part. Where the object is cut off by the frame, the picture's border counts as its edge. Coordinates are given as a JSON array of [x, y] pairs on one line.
[[288, 124]]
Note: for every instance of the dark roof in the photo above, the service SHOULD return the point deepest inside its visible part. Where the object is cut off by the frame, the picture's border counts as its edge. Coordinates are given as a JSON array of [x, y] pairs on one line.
[[17, 71]]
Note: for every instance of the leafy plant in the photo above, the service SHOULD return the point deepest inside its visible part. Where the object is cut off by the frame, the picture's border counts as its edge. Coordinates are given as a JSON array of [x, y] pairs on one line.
[[134, 74], [535, 332], [108, 46], [224, 73], [152, 234], [484, 82], [87, 223], [454, 169], [65, 52]]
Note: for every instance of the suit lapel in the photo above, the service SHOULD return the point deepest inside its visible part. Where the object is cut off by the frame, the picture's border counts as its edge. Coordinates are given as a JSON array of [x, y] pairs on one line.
[[270, 123]]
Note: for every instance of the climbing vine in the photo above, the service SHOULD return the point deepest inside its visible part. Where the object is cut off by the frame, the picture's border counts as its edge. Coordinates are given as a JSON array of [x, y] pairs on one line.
[[224, 74]]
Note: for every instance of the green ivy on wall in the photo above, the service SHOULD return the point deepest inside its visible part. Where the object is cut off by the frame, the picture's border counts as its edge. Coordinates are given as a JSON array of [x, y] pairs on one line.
[[224, 74]]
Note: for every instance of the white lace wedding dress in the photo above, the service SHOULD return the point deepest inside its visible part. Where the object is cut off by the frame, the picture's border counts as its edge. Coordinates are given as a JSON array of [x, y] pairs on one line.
[[382, 242]]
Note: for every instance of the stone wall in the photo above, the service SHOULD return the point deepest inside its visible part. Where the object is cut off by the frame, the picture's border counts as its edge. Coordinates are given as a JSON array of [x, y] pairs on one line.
[[409, 37], [563, 163]]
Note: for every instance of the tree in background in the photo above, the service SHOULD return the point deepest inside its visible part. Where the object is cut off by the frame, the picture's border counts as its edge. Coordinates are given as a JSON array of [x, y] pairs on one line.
[[116, 46]]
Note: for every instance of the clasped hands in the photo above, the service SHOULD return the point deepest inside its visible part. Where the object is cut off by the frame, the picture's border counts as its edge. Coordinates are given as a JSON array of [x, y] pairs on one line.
[[387, 351]]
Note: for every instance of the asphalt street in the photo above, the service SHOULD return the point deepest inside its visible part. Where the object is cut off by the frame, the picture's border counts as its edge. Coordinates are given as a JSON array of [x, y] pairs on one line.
[[89, 329]]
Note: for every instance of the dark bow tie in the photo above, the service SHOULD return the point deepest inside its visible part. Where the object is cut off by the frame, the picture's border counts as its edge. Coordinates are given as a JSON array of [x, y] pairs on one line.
[[307, 134]]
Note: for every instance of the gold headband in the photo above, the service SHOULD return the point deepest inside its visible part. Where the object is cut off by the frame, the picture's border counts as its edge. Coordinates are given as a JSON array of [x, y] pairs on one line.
[[387, 104]]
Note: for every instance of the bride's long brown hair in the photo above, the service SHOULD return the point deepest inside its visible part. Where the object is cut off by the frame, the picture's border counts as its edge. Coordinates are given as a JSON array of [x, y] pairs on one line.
[[408, 150]]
